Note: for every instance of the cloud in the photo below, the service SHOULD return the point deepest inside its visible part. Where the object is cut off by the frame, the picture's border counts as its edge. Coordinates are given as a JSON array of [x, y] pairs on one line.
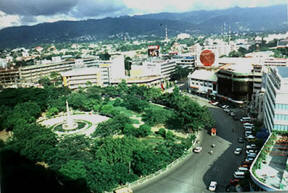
[[17, 12], [9, 20], [36, 7], [90, 8], [148, 6]]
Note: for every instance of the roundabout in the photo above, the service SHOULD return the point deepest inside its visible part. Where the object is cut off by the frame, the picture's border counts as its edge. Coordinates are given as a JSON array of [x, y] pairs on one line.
[[86, 124], [82, 124]]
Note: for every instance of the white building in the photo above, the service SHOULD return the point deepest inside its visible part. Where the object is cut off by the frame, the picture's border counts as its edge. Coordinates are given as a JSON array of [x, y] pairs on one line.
[[154, 67], [276, 99], [185, 62], [82, 77], [203, 81], [3, 63], [182, 36]]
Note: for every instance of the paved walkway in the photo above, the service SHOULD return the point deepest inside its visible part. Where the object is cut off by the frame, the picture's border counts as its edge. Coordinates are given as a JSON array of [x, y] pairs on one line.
[[92, 118]]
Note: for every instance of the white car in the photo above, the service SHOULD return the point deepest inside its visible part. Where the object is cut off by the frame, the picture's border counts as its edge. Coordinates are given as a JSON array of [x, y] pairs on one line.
[[197, 149], [251, 146], [251, 151], [212, 186], [248, 124], [238, 151]]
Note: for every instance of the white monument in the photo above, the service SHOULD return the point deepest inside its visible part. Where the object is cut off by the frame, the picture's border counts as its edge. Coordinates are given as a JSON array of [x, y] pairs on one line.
[[69, 123]]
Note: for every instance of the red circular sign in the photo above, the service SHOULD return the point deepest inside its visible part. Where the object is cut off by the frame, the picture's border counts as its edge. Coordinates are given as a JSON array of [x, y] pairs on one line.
[[207, 57]]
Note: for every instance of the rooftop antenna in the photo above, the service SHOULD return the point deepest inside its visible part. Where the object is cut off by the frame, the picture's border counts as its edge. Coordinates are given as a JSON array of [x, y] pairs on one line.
[[166, 34], [229, 34]]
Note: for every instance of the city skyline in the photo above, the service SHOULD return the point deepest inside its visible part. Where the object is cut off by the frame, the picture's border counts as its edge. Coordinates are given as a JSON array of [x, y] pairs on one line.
[[16, 13]]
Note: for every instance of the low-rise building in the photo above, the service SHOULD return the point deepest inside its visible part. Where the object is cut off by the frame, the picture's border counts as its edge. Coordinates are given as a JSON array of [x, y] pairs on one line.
[[203, 81]]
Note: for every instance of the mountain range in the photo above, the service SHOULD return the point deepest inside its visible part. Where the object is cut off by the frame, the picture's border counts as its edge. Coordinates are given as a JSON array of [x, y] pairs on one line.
[[258, 19]]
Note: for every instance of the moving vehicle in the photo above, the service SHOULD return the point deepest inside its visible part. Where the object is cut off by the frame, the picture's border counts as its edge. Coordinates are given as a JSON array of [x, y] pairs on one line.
[[214, 103], [197, 149], [238, 151], [227, 110], [240, 140], [213, 186]]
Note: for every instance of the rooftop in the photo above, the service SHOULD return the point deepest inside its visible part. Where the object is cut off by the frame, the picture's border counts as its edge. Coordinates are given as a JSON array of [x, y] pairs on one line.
[[203, 75], [269, 169]]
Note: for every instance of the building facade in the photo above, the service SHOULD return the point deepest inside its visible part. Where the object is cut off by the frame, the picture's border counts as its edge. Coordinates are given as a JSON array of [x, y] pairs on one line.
[[203, 82], [275, 99]]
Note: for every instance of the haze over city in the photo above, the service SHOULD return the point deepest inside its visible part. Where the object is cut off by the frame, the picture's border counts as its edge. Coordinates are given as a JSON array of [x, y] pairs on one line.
[[29, 12]]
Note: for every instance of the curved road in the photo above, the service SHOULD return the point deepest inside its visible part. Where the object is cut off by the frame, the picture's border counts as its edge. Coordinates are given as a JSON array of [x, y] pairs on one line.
[[195, 174]]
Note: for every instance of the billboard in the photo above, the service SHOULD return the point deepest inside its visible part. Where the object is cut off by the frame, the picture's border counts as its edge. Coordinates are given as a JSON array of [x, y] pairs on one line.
[[153, 50]]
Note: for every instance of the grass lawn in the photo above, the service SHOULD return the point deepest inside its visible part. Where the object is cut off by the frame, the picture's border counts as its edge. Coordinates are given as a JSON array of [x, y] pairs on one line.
[[152, 140]]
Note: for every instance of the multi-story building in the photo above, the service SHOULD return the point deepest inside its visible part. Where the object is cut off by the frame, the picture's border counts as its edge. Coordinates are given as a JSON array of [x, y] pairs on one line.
[[9, 77], [154, 67], [96, 72], [203, 81], [235, 83], [83, 77], [31, 74], [275, 99], [185, 61]]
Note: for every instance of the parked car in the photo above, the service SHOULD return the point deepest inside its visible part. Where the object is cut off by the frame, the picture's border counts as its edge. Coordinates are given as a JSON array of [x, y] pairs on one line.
[[213, 186], [248, 133], [224, 106], [251, 146], [239, 175], [238, 151], [232, 114], [245, 165], [253, 155], [249, 159], [248, 124], [240, 140], [248, 127], [215, 103], [234, 181], [251, 151], [250, 137], [197, 149], [243, 169], [245, 119]]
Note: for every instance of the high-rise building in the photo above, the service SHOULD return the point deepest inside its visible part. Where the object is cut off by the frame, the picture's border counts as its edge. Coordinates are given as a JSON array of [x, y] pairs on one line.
[[275, 99]]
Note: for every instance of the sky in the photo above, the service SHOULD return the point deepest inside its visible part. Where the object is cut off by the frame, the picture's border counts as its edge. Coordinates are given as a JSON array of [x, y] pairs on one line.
[[30, 12]]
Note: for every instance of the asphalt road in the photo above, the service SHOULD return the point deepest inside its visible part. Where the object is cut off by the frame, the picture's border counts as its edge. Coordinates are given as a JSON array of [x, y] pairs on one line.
[[196, 172]]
